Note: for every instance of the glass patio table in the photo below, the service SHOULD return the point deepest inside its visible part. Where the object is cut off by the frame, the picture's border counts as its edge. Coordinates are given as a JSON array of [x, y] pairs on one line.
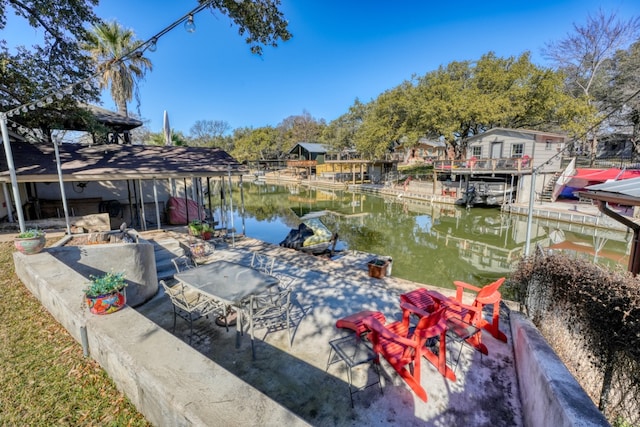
[[227, 282]]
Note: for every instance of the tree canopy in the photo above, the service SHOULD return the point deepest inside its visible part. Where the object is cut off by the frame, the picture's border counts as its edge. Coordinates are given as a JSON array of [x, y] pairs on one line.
[[465, 98], [109, 45]]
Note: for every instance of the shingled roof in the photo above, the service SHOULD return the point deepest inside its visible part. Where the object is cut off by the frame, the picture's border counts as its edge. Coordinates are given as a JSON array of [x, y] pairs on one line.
[[37, 163]]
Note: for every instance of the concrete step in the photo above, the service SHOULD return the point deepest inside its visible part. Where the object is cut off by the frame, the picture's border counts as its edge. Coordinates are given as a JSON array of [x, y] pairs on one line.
[[165, 249]]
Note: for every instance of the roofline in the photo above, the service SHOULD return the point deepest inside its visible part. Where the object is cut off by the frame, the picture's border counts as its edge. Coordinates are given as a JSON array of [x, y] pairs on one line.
[[119, 177], [528, 131], [610, 197]]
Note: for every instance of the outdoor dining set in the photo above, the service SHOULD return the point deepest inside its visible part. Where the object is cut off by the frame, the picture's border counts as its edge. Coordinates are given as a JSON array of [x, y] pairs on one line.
[[429, 319], [226, 290]]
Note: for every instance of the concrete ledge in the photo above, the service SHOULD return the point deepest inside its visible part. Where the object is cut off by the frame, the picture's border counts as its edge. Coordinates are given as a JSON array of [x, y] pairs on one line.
[[550, 395], [136, 260], [166, 379]]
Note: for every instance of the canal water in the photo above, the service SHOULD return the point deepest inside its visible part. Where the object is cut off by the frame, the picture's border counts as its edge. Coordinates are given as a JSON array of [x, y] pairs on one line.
[[429, 243]]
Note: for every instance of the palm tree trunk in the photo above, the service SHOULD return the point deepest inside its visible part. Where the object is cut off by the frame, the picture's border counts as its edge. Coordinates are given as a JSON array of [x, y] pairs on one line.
[[122, 109]]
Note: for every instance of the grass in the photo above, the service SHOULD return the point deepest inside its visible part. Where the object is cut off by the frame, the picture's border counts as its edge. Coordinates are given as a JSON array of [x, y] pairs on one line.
[[45, 379]]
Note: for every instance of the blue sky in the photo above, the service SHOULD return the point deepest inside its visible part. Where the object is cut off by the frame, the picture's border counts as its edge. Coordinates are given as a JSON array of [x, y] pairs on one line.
[[340, 51]]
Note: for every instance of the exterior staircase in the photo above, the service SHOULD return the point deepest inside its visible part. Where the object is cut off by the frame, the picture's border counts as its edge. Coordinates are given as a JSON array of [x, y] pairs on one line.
[[547, 191]]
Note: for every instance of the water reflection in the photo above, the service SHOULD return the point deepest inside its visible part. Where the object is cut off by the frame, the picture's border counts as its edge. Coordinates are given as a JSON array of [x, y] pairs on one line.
[[429, 243]]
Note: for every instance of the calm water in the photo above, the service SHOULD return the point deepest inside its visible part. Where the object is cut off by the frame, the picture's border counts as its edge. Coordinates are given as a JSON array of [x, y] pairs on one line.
[[429, 243]]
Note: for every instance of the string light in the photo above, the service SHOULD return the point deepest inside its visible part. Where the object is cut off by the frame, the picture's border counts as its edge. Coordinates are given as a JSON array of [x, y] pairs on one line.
[[153, 45], [189, 25]]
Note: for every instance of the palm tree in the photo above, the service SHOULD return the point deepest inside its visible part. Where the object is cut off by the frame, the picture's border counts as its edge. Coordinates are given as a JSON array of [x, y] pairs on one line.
[[107, 44]]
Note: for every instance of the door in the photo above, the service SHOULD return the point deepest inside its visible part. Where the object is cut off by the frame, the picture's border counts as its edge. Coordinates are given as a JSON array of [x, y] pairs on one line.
[[496, 150]]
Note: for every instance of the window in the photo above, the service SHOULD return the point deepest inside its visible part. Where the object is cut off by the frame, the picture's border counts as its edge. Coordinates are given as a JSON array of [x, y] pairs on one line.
[[517, 150], [547, 145], [476, 151]]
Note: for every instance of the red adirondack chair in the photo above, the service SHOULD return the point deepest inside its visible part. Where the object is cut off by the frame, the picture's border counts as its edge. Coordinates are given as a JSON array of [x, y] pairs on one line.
[[403, 348], [486, 295], [472, 313]]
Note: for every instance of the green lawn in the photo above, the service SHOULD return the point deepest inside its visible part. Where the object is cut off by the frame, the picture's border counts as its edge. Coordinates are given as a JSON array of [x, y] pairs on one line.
[[44, 378]]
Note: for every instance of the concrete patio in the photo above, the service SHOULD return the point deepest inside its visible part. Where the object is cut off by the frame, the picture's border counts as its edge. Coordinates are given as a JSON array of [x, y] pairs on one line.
[[212, 382]]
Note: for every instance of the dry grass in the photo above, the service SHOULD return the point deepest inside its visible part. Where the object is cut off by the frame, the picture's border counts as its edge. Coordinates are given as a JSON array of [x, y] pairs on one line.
[[45, 378]]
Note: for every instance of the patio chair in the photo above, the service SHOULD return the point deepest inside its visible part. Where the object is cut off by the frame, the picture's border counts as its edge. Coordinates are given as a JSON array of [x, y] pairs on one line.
[[183, 263], [191, 305], [263, 263], [486, 295], [270, 310], [403, 346], [471, 314]]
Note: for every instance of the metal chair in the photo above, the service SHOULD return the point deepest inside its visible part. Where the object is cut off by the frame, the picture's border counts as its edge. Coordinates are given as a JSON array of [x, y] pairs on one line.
[[182, 263], [191, 305], [270, 310], [263, 263]]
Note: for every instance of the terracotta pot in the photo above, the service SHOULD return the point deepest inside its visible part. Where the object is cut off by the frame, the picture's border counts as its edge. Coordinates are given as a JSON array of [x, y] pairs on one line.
[[29, 245], [108, 303]]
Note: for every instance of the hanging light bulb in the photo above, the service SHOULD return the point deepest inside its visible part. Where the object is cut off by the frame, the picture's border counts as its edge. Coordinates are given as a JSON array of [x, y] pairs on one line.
[[25, 109], [153, 45], [10, 113], [49, 100], [59, 96], [189, 25], [40, 104], [86, 86]]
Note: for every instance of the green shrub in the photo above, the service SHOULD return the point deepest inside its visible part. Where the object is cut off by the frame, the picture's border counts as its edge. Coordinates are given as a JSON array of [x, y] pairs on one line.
[[105, 284], [31, 233]]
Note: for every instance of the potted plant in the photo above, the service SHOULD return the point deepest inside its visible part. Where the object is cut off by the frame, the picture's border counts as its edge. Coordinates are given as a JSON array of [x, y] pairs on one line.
[[105, 294], [195, 228], [207, 231], [200, 229], [30, 241]]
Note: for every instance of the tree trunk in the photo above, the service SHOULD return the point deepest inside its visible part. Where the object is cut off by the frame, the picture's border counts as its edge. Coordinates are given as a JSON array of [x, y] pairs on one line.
[[122, 109], [594, 147]]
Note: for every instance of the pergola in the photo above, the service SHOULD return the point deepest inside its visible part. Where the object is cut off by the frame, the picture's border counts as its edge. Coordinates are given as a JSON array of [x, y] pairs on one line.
[[627, 193]]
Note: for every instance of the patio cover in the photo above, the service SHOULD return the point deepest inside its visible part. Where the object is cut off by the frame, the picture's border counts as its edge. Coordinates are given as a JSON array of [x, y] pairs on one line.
[[37, 163]]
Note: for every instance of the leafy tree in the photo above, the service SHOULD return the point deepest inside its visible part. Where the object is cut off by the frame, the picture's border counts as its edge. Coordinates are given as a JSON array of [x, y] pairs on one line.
[[47, 70], [209, 133], [255, 144], [260, 20], [583, 56], [621, 97], [301, 128], [465, 99], [340, 133], [110, 45], [385, 122]]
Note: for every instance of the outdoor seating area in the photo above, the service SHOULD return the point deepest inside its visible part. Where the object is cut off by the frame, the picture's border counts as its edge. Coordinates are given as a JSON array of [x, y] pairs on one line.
[[320, 332], [300, 375], [428, 320]]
